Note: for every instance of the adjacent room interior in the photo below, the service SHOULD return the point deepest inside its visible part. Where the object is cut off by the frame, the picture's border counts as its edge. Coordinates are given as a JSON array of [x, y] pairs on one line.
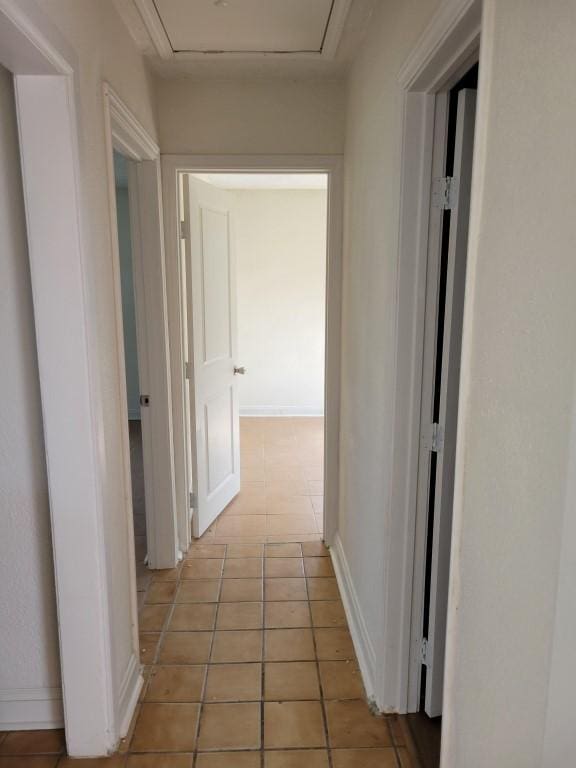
[[278, 225]]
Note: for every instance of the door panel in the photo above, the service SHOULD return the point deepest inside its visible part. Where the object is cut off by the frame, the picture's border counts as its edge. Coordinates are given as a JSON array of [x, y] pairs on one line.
[[212, 344], [448, 416]]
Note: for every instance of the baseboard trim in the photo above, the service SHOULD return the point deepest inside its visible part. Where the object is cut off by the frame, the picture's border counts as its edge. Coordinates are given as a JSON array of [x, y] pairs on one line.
[[31, 708], [358, 630], [129, 693], [280, 410]]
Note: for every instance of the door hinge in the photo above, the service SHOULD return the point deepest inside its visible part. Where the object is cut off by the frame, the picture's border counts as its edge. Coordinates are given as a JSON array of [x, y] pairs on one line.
[[424, 651], [144, 401], [192, 500], [434, 440], [184, 230], [187, 370], [444, 192]]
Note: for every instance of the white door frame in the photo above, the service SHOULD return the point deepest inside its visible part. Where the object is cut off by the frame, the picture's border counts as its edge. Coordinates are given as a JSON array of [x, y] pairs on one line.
[[97, 705], [447, 48], [172, 165], [125, 134]]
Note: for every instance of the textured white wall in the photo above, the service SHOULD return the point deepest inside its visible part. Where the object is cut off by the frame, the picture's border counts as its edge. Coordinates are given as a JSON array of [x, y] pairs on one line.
[[280, 241], [372, 189], [515, 470], [28, 632], [243, 117], [105, 52]]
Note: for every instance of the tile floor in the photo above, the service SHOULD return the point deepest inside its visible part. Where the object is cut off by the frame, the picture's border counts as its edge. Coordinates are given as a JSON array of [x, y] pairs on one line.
[[248, 659], [282, 493]]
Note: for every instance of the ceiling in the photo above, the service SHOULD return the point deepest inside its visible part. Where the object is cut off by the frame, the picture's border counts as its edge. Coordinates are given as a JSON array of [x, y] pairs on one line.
[[265, 180], [235, 38]]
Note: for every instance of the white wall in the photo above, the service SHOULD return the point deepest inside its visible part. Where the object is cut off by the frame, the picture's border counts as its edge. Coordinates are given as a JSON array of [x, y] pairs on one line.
[[372, 187], [29, 661], [509, 623], [243, 117], [280, 242], [105, 51]]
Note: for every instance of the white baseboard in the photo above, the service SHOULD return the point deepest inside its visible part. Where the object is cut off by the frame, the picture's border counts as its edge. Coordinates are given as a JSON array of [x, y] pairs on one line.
[[280, 410], [362, 643], [31, 709], [129, 692]]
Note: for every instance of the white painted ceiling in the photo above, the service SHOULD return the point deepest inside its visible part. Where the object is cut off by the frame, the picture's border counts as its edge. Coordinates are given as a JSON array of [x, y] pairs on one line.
[[231, 39], [265, 180], [245, 26]]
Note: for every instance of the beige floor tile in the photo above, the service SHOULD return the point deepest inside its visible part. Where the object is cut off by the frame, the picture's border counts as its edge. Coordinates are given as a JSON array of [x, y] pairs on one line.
[[205, 550], [318, 567], [288, 505], [33, 742], [243, 568], [152, 617], [351, 724], [287, 488], [298, 538], [364, 758], [176, 684], [317, 503], [241, 525], [283, 550], [193, 617], [165, 574], [239, 616], [286, 613], [405, 759], [285, 589], [161, 592], [313, 472], [316, 487], [202, 568], [290, 524], [334, 644], [234, 682], [114, 761], [254, 473], [166, 728], [157, 761], [328, 613], [247, 504], [341, 680], [291, 680], [244, 550], [148, 646], [198, 591], [229, 726], [288, 645], [395, 723], [228, 760], [293, 724], [296, 758], [252, 487], [315, 549], [241, 590], [237, 646], [323, 589], [284, 567], [185, 648]]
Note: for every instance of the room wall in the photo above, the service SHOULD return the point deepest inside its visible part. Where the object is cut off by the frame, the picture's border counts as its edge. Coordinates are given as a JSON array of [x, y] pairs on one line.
[[244, 117], [128, 306], [372, 188], [105, 52], [513, 553], [29, 664], [280, 243]]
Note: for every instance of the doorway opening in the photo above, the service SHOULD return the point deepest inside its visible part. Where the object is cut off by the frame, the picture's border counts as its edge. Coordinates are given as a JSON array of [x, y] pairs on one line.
[[132, 376], [254, 261], [448, 240]]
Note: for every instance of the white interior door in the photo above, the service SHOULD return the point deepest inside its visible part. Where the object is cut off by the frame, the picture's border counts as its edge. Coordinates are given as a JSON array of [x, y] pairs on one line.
[[212, 348], [448, 415]]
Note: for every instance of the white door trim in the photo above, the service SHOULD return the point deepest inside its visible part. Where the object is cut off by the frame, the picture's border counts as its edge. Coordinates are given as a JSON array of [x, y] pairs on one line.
[[125, 134], [172, 165], [444, 52], [45, 67]]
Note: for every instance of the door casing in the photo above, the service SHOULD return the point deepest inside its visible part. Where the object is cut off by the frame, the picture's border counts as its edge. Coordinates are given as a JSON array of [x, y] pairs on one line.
[[172, 167]]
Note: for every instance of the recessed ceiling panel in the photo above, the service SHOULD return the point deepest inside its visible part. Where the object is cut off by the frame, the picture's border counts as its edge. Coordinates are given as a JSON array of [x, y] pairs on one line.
[[245, 26]]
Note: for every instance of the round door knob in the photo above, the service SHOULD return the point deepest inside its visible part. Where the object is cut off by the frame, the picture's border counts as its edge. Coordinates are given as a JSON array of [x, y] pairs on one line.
[[241, 370]]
